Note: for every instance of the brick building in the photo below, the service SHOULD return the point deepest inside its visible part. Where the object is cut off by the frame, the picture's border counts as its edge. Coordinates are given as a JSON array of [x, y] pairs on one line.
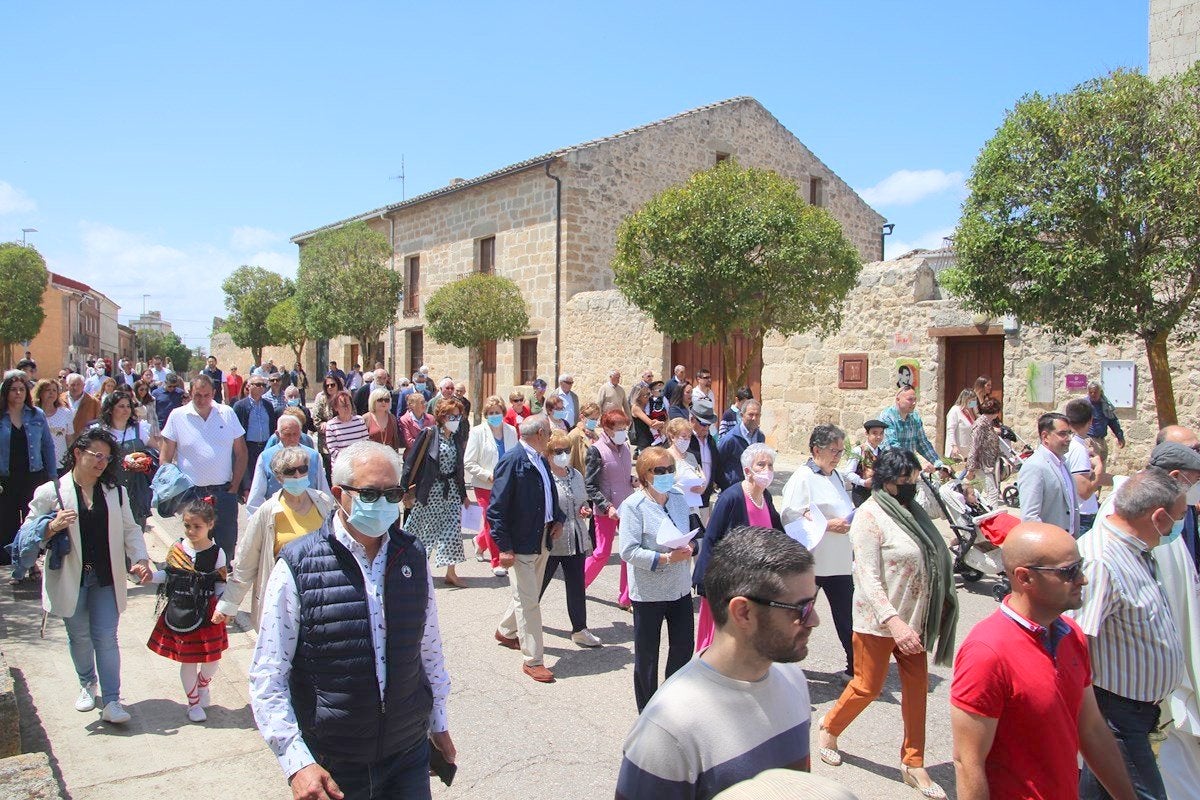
[[80, 322]]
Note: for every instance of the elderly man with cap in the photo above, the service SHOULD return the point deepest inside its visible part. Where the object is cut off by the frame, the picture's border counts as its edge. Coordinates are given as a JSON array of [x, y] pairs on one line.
[[570, 400], [1022, 704], [860, 467], [703, 447], [1136, 652]]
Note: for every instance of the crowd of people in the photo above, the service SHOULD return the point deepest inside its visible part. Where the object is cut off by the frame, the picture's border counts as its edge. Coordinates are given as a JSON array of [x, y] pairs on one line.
[[352, 493]]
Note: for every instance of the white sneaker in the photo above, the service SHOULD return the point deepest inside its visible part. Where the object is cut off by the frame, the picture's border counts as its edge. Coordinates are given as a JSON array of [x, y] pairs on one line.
[[586, 638], [87, 698], [114, 713], [500, 572], [196, 714]]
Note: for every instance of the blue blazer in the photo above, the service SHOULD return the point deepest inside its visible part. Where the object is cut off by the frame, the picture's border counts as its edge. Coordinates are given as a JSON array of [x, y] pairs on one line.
[[728, 513], [730, 448], [517, 510]]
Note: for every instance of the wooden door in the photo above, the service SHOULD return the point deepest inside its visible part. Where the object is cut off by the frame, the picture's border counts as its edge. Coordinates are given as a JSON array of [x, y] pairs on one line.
[[695, 356], [488, 383], [968, 358]]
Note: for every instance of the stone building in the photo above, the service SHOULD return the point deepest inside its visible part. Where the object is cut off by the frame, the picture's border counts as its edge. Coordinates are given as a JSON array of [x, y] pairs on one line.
[[1174, 36], [549, 223]]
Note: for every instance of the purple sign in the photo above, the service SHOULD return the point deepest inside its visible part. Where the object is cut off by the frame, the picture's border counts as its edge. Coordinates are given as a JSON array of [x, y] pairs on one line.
[[1076, 381]]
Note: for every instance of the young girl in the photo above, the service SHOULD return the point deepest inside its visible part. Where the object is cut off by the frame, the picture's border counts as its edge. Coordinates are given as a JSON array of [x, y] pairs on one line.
[[191, 583]]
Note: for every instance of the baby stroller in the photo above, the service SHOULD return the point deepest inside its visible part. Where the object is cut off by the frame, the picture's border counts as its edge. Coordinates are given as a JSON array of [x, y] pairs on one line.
[[978, 532], [1013, 452]]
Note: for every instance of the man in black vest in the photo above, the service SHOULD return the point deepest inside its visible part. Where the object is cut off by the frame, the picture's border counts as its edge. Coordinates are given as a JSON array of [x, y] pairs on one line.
[[348, 683]]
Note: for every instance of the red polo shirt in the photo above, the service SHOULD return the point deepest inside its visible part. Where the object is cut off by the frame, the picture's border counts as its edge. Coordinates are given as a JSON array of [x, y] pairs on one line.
[[1004, 670]]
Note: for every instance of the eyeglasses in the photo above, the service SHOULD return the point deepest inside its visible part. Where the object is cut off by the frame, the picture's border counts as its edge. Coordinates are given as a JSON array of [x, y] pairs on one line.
[[393, 495], [274, 380], [668, 470], [804, 608], [258, 386], [454, 418], [1069, 573], [294, 472], [102, 458]]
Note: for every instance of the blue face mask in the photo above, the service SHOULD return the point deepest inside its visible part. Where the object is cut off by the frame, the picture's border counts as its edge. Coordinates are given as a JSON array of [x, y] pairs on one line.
[[295, 401], [663, 483], [495, 419], [372, 519], [1173, 534], [591, 424], [560, 414], [295, 486]]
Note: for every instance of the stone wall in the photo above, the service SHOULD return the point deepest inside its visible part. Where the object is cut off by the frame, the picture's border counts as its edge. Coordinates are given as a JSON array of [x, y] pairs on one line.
[[228, 354], [601, 331], [1174, 36]]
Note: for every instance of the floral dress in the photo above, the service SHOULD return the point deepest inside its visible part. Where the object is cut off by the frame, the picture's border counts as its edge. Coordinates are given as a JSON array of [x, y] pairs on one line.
[[438, 521]]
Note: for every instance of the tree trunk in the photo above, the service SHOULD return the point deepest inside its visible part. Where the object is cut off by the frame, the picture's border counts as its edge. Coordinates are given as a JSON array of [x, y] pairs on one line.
[[366, 356], [299, 351], [1160, 377], [256, 354], [475, 353], [737, 373]]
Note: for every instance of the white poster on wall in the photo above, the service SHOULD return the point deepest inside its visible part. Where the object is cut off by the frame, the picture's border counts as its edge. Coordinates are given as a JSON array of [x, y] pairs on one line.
[[1039, 382], [1119, 381]]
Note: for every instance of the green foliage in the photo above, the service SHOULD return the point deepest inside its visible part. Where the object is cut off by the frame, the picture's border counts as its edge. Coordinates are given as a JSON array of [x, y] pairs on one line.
[[152, 343], [23, 279], [250, 294], [345, 287], [735, 250], [476, 309], [286, 326], [1083, 216]]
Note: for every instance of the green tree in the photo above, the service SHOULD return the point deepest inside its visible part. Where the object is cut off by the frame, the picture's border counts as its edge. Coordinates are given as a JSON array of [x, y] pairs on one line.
[[345, 287], [1082, 217], [286, 326], [169, 346], [474, 310], [23, 279], [250, 294], [731, 251]]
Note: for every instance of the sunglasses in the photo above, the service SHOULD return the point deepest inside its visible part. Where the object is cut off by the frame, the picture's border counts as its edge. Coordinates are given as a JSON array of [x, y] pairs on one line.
[[804, 608], [393, 495], [1069, 573], [294, 472], [670, 470]]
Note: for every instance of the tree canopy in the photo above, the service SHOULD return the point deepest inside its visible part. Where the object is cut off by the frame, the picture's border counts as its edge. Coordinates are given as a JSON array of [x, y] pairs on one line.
[[250, 294], [286, 326], [471, 311], [23, 279], [153, 343], [345, 287], [1083, 218], [732, 251]]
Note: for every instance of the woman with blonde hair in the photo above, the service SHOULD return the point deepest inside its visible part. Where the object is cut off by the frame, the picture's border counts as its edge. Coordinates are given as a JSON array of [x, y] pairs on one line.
[[959, 420], [48, 397], [689, 478], [486, 443], [381, 423], [584, 434]]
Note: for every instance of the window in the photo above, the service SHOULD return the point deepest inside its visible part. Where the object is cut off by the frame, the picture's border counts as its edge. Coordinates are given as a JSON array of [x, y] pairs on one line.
[[487, 255], [722, 157], [528, 361], [412, 285], [816, 191], [416, 350]]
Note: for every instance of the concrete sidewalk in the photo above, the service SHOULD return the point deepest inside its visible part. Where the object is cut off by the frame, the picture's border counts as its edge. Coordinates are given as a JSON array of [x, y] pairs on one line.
[[514, 737]]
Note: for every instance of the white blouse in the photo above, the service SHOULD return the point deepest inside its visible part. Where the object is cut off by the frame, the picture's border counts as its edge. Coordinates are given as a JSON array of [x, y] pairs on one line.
[[833, 554]]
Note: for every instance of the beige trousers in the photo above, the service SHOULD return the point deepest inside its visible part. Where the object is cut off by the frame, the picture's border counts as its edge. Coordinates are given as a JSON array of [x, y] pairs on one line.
[[523, 619]]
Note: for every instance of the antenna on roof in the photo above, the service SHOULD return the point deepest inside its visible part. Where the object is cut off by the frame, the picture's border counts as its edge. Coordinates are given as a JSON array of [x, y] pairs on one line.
[[400, 178]]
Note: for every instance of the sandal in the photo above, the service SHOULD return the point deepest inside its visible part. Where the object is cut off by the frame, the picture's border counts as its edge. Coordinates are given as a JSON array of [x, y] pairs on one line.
[[932, 790], [829, 755]]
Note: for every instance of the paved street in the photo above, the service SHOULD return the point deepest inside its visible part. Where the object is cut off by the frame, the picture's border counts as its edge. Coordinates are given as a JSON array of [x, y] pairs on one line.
[[515, 737]]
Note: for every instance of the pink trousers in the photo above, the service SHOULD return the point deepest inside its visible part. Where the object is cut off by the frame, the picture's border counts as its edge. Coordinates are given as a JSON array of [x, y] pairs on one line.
[[606, 533], [704, 626], [484, 540]]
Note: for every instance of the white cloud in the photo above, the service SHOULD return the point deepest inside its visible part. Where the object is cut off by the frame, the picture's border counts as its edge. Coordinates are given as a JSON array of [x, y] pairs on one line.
[[930, 240], [905, 187], [247, 238], [182, 281], [14, 201]]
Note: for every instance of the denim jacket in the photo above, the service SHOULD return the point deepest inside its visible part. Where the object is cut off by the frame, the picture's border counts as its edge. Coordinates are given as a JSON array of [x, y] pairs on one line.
[[37, 434]]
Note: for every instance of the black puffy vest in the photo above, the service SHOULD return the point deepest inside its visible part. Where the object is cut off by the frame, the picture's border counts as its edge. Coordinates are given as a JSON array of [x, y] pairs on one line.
[[335, 691]]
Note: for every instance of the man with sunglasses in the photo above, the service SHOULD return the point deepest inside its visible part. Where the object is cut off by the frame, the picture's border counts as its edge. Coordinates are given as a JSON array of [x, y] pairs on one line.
[[258, 417], [1136, 651], [348, 683], [1022, 703], [740, 706], [265, 483]]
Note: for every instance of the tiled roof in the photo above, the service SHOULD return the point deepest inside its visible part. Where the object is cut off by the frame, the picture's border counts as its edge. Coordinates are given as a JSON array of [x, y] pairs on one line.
[[70, 283], [511, 169]]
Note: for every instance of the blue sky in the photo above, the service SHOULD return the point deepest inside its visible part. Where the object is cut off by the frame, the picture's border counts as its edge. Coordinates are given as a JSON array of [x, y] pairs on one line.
[[157, 146]]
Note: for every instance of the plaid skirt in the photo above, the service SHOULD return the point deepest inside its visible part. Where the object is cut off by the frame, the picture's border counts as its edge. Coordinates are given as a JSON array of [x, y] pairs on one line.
[[201, 646]]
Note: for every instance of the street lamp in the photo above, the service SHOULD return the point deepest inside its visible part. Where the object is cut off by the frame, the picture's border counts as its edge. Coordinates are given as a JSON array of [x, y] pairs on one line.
[[25, 231]]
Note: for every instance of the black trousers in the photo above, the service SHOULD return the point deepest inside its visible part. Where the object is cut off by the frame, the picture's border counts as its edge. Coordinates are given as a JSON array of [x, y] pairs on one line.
[[16, 491], [839, 590], [572, 567], [253, 451], [648, 618]]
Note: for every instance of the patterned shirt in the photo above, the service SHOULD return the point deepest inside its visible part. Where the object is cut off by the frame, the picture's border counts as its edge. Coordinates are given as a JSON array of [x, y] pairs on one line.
[[985, 446], [1135, 646], [907, 433]]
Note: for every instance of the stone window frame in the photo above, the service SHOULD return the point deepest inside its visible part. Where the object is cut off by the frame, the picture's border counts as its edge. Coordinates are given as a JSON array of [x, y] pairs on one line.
[[412, 287], [484, 265], [526, 346], [816, 191]]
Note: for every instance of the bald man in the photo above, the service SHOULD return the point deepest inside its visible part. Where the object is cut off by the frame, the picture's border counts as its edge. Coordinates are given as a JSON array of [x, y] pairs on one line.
[[1022, 699]]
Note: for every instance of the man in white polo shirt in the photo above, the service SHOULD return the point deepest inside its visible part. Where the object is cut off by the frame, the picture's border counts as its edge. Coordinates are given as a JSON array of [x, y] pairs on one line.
[[208, 444]]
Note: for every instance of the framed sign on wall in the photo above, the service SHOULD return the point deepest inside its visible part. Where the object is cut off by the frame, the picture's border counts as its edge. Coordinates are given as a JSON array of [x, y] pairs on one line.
[[1119, 381]]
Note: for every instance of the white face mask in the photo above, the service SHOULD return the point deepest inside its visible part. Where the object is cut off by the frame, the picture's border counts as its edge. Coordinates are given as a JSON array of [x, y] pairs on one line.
[[764, 478], [620, 437], [1193, 494], [562, 459], [682, 444]]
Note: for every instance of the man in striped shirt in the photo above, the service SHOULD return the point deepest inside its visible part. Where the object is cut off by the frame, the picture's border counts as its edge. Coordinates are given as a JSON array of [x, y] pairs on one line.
[[1136, 652]]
